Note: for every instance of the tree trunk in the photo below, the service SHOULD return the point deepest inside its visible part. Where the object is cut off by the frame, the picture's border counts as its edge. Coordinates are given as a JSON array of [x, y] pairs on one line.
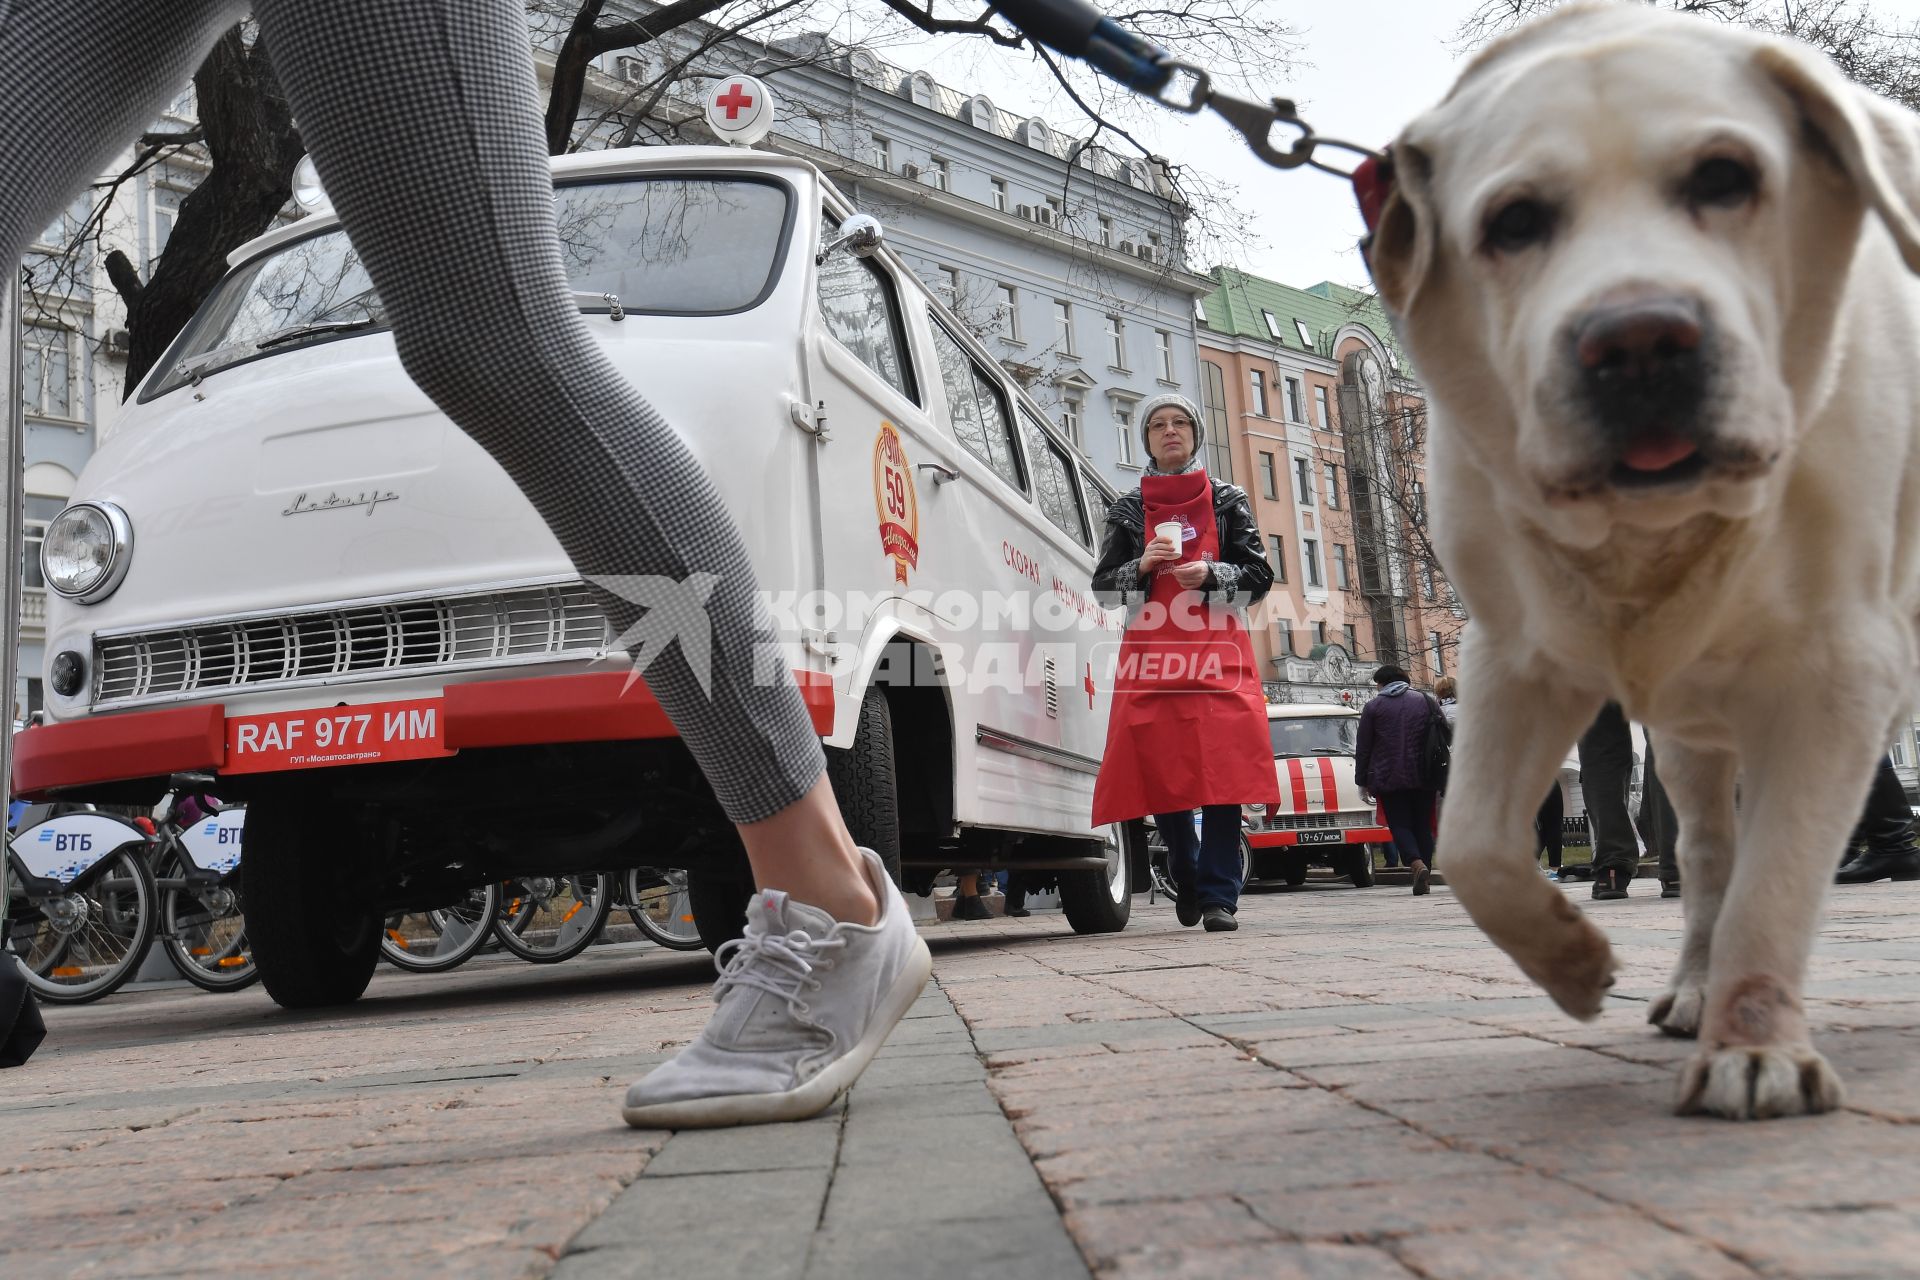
[[250, 137]]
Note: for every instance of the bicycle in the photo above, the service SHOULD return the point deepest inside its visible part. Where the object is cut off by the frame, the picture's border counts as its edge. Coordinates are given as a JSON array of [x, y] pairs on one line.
[[81, 904], [441, 938], [656, 899], [547, 919], [195, 854]]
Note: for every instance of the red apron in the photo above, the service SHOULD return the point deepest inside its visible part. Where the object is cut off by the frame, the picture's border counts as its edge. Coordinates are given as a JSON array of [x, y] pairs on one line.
[[1189, 719]]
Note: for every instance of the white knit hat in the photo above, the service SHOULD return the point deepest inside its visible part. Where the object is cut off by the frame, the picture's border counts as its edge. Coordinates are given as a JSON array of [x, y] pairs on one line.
[[1181, 403]]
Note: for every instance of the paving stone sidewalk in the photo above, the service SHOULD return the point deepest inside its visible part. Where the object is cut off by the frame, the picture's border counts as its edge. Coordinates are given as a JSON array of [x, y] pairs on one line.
[[1353, 1085]]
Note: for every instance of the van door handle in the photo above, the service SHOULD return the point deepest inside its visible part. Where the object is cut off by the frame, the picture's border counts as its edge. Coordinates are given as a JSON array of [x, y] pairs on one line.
[[940, 474]]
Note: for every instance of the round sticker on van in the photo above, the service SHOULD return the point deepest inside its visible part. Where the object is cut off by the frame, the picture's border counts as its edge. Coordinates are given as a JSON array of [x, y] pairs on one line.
[[739, 110], [897, 503]]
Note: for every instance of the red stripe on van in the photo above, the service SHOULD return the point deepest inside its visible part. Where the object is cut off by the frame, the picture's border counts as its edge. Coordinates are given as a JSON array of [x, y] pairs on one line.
[[1328, 787], [1297, 773]]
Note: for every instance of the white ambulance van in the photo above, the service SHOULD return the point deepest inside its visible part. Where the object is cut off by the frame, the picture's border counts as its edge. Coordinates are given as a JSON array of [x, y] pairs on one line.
[[288, 570]]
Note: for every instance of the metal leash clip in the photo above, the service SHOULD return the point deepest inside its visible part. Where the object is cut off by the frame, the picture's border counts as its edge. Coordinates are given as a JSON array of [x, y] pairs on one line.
[[1254, 120]]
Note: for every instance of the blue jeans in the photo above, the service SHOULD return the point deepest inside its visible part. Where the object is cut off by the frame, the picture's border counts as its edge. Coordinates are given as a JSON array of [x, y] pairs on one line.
[[1209, 865]]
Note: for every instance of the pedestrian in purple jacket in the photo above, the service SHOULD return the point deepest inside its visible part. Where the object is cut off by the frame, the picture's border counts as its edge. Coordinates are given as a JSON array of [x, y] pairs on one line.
[[1389, 762]]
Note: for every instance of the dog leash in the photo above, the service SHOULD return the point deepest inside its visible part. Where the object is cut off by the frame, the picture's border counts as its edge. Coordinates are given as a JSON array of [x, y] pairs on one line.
[[1079, 30]]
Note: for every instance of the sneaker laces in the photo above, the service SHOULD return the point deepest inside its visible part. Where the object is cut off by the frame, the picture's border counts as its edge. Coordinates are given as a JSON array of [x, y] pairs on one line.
[[780, 964]]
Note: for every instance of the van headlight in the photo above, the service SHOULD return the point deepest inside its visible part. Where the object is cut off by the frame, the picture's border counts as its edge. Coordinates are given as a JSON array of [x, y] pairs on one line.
[[85, 551]]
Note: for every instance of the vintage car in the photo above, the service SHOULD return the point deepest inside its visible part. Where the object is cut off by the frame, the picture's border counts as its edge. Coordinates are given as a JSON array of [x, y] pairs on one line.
[[341, 607], [1321, 819]]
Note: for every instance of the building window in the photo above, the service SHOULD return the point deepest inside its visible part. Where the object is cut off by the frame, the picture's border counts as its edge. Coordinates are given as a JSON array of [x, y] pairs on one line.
[[1340, 575], [1116, 344], [1333, 488], [1320, 407], [1278, 554], [1284, 643], [880, 154], [1310, 560], [1303, 481], [1437, 653], [47, 369], [1059, 211], [1163, 341], [940, 174], [1306, 338], [1419, 502], [1320, 634], [1009, 308], [1200, 312], [1273, 324], [1296, 407], [999, 186], [1259, 393], [1353, 639], [1106, 231], [1269, 480], [1901, 757], [1063, 325], [1426, 580], [1070, 420], [1123, 427]]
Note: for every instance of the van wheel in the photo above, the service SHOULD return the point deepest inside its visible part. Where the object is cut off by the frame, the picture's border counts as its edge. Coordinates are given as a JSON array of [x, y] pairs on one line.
[[1295, 872], [1101, 901], [1361, 872], [719, 904], [315, 937], [865, 785]]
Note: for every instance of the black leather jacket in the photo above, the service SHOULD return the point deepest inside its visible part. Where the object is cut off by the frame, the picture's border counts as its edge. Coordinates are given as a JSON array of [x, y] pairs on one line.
[[1240, 576]]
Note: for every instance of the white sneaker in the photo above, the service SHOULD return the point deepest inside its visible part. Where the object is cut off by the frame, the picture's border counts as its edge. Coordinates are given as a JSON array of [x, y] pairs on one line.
[[805, 1002]]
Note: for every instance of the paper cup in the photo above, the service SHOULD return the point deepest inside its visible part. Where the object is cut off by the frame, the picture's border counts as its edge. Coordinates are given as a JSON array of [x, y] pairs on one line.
[[1171, 529]]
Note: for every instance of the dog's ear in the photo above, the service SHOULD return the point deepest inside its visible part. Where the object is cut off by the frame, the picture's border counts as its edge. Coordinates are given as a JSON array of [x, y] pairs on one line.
[[1873, 143], [1401, 253]]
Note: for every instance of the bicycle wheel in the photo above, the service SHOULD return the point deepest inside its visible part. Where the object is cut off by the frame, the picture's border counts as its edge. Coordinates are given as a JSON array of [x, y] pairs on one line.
[[658, 902], [547, 919], [82, 944], [441, 938], [203, 931]]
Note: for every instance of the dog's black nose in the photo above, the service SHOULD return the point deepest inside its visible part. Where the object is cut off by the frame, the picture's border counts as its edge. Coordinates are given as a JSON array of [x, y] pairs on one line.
[[1643, 363]]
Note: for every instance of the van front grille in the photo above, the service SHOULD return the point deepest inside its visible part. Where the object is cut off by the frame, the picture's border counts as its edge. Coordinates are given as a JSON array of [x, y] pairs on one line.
[[360, 641]]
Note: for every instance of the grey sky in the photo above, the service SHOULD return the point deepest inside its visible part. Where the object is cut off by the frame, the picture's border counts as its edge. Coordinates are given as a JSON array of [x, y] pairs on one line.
[[1375, 64]]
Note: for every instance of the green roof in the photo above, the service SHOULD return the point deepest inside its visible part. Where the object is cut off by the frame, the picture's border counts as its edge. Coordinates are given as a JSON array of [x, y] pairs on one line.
[[1240, 304]]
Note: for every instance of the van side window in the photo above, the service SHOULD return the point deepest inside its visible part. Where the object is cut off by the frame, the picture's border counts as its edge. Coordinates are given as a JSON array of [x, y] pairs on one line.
[[858, 303], [1053, 486], [978, 408], [1097, 504]]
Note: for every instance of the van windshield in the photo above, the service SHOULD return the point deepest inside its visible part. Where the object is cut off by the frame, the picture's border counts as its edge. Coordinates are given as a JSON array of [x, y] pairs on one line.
[[669, 245], [1314, 735]]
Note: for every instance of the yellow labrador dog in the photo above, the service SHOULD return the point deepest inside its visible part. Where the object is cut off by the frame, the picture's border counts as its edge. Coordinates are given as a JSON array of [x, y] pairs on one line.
[[1655, 273]]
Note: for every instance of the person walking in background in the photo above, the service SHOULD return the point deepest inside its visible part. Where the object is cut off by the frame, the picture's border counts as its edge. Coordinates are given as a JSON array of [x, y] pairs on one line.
[[1188, 727], [1606, 771], [1549, 825], [1447, 690], [1389, 762], [1884, 834]]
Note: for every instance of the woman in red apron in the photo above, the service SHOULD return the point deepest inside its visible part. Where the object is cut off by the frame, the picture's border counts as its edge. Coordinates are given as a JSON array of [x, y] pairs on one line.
[[1188, 726]]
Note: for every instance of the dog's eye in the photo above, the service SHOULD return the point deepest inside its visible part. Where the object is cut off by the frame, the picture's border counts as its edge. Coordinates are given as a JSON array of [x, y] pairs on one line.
[[1722, 182], [1518, 225]]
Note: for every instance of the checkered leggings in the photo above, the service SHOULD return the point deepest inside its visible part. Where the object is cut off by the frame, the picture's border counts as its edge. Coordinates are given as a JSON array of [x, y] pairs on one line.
[[424, 119]]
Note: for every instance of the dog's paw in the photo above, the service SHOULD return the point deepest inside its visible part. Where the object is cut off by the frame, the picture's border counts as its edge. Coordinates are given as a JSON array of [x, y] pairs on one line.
[[1758, 1082], [1678, 1011], [1573, 963]]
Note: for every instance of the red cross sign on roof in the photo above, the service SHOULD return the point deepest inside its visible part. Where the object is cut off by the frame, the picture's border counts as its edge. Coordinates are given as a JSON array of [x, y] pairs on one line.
[[739, 110]]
